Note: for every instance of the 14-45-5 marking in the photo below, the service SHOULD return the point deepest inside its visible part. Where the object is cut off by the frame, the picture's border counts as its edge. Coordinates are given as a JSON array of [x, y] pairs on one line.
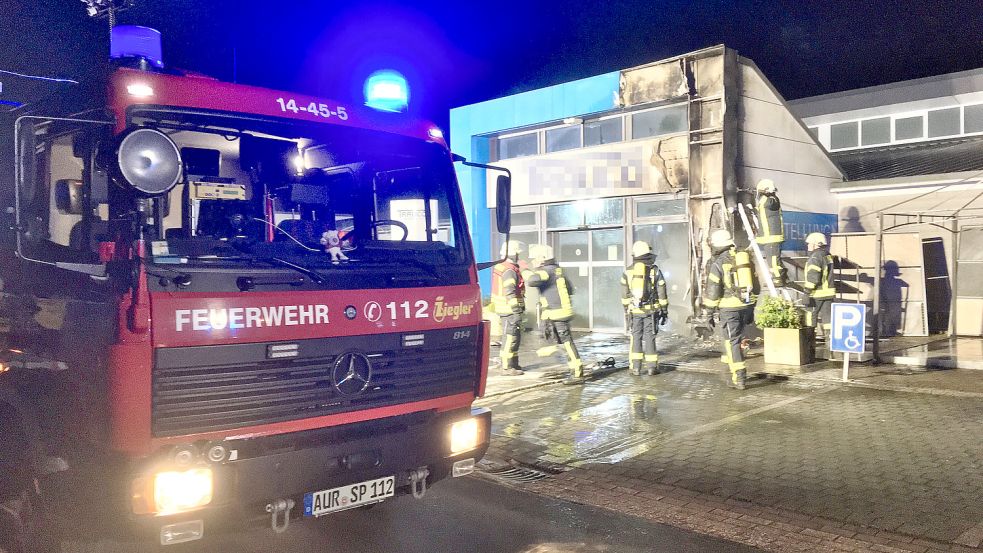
[[318, 110]]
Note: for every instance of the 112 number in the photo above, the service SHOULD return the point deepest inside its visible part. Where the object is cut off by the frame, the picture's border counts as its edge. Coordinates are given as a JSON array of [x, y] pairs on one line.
[[420, 305]]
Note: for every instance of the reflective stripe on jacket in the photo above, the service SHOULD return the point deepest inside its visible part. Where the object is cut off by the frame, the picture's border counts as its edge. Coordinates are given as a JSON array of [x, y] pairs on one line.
[[722, 289], [643, 288], [771, 228], [508, 288], [554, 291], [819, 274]]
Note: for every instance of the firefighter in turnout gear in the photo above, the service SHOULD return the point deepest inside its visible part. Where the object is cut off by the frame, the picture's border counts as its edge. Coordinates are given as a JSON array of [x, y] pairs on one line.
[[771, 230], [643, 295], [819, 281], [557, 306], [731, 289], [508, 302]]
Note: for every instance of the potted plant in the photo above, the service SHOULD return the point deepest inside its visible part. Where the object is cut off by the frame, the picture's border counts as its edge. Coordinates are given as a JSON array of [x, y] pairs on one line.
[[787, 342]]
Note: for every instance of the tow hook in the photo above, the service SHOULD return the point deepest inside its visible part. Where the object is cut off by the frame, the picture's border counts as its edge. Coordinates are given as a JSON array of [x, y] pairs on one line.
[[418, 481], [275, 509]]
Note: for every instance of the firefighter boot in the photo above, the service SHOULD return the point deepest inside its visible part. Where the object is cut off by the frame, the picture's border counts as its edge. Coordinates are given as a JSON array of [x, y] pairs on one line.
[[739, 379], [651, 365], [575, 364], [634, 357], [510, 371]]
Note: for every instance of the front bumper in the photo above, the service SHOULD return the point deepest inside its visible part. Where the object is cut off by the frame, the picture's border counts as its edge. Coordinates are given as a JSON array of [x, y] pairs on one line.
[[286, 467]]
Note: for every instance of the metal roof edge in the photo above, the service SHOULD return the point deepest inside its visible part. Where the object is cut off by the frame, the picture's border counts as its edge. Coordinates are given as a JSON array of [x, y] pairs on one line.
[[695, 53], [887, 86], [906, 182]]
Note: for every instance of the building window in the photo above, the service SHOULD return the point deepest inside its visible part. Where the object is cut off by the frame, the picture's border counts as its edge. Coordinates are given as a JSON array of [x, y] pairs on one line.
[[564, 138], [875, 131], [843, 135], [909, 128], [943, 122], [974, 118], [604, 212], [564, 216], [658, 122], [523, 218], [660, 208], [593, 212], [518, 146], [604, 131]]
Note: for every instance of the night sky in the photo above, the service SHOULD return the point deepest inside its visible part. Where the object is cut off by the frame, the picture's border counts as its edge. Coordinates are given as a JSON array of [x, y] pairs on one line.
[[455, 53]]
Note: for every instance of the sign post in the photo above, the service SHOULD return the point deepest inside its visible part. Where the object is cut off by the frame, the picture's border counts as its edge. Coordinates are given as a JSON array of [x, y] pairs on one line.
[[848, 332]]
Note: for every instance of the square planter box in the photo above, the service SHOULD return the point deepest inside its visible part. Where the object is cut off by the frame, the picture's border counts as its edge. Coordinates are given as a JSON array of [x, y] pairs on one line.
[[789, 346]]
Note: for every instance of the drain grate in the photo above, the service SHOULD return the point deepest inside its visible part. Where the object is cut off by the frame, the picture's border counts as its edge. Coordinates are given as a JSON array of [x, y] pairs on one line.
[[519, 473]]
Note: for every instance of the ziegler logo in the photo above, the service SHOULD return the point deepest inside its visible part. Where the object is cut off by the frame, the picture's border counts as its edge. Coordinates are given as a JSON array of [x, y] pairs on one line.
[[443, 310]]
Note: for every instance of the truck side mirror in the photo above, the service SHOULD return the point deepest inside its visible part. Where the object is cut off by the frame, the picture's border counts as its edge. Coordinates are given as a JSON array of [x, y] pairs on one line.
[[68, 196], [503, 204]]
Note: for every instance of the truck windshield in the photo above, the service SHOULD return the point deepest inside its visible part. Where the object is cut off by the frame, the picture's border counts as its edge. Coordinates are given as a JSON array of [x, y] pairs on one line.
[[315, 195]]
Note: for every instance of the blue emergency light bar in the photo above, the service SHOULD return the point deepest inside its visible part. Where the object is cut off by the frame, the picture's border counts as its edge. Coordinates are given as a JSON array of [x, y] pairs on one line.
[[132, 41], [387, 90]]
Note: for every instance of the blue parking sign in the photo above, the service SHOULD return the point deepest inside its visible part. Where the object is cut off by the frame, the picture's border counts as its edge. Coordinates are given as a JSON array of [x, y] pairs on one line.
[[848, 333]]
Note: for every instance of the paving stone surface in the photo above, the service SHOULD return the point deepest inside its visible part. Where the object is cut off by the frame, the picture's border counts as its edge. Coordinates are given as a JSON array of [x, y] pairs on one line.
[[907, 464]]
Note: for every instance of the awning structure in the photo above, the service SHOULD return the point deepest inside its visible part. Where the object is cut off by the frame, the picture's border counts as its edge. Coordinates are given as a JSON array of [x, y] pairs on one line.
[[960, 214]]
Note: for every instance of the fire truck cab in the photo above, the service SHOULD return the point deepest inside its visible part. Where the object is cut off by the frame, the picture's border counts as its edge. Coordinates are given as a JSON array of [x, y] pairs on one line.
[[221, 303]]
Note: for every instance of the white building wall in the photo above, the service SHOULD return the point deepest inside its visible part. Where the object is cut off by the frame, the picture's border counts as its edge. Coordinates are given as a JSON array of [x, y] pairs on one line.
[[776, 145]]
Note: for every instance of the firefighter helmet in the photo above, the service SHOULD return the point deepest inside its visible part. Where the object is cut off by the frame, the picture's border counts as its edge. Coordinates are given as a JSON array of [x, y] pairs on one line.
[[721, 238], [540, 251], [512, 248], [640, 248], [766, 186], [816, 239]]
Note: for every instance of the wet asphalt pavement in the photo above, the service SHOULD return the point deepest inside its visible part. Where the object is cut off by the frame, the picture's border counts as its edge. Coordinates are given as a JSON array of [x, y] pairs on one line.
[[475, 515], [469, 515]]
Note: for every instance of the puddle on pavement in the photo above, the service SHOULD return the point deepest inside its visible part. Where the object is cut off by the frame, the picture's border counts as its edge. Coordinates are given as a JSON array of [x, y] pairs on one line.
[[616, 429], [620, 417]]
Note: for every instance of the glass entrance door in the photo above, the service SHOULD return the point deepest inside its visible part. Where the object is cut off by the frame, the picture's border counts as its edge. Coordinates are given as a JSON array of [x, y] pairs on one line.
[[593, 261]]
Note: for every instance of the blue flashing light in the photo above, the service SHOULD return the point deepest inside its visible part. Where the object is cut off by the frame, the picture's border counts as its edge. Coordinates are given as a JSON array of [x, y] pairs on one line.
[[132, 41], [387, 90]]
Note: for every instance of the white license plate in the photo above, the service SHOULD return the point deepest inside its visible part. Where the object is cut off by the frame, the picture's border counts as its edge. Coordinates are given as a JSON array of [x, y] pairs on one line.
[[347, 497]]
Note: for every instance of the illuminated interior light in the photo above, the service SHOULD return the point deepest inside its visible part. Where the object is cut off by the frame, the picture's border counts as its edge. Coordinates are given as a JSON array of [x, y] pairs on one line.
[[140, 90], [4, 368], [299, 164], [592, 206], [435, 133], [387, 90]]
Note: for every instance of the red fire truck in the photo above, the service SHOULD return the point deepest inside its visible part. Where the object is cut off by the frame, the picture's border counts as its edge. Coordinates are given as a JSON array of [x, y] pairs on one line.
[[221, 303]]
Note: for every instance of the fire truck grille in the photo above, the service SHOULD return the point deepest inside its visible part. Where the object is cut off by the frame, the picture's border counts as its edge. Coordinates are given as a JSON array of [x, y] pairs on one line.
[[208, 388]]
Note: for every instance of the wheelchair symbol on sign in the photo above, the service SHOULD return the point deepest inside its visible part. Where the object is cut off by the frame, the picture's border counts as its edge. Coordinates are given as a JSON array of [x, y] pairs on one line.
[[851, 341]]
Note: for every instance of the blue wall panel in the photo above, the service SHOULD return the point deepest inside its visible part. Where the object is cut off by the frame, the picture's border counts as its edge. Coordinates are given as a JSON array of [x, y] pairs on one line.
[[469, 123]]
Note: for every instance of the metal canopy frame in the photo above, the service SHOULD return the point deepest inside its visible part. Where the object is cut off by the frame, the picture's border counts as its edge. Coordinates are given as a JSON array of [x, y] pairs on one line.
[[949, 220]]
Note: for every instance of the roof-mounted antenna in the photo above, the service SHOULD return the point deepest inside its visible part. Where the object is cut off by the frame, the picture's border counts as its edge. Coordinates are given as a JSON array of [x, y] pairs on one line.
[[107, 9]]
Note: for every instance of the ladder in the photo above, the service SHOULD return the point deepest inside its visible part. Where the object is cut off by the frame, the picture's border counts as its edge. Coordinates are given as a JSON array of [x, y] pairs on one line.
[[763, 267]]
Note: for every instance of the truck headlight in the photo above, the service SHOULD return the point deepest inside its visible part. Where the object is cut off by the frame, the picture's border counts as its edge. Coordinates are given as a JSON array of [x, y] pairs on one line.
[[465, 435], [173, 492]]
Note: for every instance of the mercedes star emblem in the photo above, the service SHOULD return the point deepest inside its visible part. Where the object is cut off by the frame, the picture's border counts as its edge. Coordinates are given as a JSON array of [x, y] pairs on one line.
[[352, 374]]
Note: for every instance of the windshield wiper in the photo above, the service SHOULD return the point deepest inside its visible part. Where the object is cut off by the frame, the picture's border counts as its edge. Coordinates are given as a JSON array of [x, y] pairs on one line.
[[315, 276]]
